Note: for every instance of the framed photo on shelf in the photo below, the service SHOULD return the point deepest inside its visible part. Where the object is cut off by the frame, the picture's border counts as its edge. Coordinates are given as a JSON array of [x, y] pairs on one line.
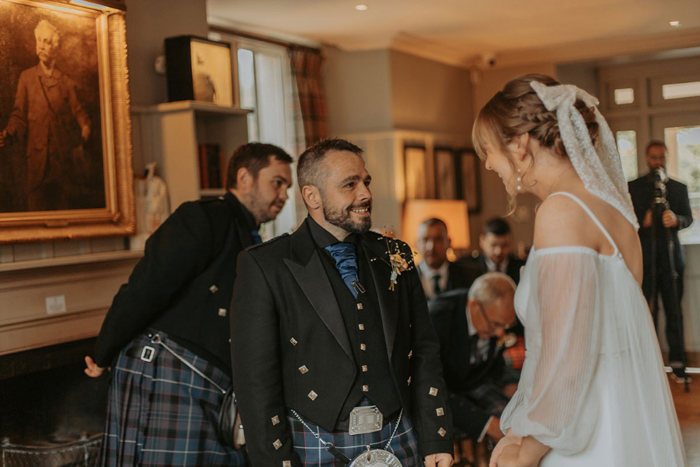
[[445, 173], [199, 69], [415, 171], [65, 145], [469, 179]]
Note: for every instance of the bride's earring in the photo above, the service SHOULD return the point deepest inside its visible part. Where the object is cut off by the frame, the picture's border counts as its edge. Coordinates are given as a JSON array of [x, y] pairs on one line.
[[519, 179]]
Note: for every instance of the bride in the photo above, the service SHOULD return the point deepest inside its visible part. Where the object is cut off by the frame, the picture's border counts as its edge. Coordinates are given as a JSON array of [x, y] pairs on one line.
[[593, 391]]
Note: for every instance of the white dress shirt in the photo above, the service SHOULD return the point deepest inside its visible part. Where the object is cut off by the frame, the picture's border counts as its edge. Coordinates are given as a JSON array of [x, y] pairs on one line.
[[493, 267], [482, 345], [427, 274]]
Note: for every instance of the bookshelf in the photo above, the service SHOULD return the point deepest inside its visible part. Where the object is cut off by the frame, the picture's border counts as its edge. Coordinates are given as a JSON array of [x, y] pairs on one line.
[[171, 135]]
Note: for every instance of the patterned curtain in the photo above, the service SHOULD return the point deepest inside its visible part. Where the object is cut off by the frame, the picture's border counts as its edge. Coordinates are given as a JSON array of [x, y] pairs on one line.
[[309, 98]]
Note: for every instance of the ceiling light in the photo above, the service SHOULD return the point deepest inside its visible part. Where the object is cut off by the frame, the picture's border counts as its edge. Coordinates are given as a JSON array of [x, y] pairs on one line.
[[361, 7], [675, 24]]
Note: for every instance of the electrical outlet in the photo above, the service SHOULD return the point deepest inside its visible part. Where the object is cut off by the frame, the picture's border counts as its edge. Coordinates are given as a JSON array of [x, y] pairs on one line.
[[56, 304]]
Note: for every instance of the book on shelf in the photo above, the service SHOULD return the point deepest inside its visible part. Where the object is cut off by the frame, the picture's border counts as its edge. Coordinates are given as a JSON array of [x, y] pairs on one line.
[[212, 166]]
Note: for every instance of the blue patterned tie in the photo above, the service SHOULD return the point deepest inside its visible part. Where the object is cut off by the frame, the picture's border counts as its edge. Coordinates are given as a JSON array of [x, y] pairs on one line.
[[346, 263], [256, 237]]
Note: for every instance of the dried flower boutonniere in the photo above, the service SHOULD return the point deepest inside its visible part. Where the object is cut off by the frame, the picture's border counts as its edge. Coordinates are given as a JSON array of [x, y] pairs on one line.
[[398, 265], [396, 260]]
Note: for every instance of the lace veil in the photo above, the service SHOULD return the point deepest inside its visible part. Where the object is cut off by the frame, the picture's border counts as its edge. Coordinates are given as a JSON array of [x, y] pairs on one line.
[[599, 167]]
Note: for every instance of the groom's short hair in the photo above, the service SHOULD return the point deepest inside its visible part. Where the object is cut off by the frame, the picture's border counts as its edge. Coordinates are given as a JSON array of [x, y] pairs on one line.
[[310, 168]]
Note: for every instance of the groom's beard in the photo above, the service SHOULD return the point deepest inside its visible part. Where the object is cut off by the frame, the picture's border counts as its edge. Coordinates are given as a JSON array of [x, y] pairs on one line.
[[343, 218]]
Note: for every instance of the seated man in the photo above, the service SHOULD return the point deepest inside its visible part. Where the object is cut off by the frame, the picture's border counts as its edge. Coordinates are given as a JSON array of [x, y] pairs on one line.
[[437, 273], [472, 327], [496, 242]]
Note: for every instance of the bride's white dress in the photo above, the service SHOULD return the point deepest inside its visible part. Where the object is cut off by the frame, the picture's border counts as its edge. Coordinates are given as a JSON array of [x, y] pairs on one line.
[[593, 386]]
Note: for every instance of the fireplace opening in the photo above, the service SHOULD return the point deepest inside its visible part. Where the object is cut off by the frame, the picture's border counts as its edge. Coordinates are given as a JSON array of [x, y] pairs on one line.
[[47, 399]]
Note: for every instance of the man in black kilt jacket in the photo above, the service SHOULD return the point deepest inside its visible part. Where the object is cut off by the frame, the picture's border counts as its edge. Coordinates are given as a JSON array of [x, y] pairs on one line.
[[331, 333], [166, 335]]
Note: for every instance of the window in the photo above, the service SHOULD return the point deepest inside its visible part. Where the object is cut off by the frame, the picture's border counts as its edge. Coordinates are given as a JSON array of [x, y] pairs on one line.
[[265, 81], [265, 87], [627, 146], [680, 90], [624, 96], [684, 164], [246, 85]]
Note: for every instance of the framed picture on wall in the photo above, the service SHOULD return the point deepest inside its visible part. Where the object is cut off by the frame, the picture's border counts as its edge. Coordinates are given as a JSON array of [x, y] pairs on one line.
[[445, 173], [415, 171], [65, 143], [199, 69], [469, 179]]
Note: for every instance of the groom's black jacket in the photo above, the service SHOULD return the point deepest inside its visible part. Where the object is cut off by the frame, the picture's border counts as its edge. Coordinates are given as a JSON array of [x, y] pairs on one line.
[[291, 349]]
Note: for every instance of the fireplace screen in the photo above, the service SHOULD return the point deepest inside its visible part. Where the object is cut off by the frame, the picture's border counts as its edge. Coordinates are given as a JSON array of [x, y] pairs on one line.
[[85, 453]]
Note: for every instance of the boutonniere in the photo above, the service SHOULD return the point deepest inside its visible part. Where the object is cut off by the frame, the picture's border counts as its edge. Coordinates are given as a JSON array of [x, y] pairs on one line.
[[396, 259]]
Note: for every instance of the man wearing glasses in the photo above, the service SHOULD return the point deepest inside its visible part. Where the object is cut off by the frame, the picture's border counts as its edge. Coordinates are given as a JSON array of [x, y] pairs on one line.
[[473, 329]]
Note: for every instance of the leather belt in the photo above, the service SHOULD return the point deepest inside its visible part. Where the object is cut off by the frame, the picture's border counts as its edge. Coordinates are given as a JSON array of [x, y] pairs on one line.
[[143, 352]]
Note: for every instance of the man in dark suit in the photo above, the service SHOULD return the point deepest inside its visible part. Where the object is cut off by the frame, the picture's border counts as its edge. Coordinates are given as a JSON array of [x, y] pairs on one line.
[[166, 335], [437, 273], [496, 243], [332, 342], [663, 223], [472, 327]]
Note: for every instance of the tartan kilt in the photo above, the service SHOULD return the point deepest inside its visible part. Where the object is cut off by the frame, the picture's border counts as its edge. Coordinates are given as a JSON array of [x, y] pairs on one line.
[[163, 413], [312, 453]]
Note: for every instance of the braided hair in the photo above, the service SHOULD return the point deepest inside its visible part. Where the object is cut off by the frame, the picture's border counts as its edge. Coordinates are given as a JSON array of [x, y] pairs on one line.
[[517, 110]]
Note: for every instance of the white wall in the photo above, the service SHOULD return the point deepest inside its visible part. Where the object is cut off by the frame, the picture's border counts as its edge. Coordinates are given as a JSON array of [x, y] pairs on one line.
[[148, 23], [358, 91], [430, 96]]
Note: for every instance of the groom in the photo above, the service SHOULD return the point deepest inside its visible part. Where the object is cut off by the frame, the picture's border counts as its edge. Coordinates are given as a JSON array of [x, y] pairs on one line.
[[324, 329]]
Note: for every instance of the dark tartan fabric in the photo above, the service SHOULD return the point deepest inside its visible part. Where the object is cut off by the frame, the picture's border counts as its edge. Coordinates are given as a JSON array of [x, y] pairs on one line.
[[489, 397], [312, 453], [162, 413], [472, 409]]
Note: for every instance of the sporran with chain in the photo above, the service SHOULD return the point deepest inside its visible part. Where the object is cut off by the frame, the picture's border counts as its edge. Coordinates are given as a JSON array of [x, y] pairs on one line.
[[371, 457]]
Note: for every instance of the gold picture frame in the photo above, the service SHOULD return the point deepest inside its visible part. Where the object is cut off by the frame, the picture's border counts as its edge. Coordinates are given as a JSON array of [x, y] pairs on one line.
[[415, 168], [65, 130], [469, 179]]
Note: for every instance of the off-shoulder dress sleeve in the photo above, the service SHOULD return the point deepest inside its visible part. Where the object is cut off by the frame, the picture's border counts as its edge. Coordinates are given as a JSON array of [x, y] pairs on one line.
[[556, 400]]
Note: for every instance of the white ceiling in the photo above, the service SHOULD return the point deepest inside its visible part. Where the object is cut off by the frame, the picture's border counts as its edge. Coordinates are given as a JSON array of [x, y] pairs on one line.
[[466, 31]]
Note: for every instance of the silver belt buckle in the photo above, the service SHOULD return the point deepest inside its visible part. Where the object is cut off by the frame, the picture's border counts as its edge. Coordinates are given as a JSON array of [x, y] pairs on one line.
[[147, 353], [366, 419]]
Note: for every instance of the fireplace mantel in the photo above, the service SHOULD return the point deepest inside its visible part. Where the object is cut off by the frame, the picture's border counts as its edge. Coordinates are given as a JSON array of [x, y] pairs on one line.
[[53, 301]]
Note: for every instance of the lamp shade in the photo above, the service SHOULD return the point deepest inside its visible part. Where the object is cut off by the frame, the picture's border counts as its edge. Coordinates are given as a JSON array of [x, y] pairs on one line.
[[452, 212]]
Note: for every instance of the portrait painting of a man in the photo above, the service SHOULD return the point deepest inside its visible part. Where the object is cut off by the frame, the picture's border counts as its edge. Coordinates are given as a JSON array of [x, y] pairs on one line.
[[51, 155]]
